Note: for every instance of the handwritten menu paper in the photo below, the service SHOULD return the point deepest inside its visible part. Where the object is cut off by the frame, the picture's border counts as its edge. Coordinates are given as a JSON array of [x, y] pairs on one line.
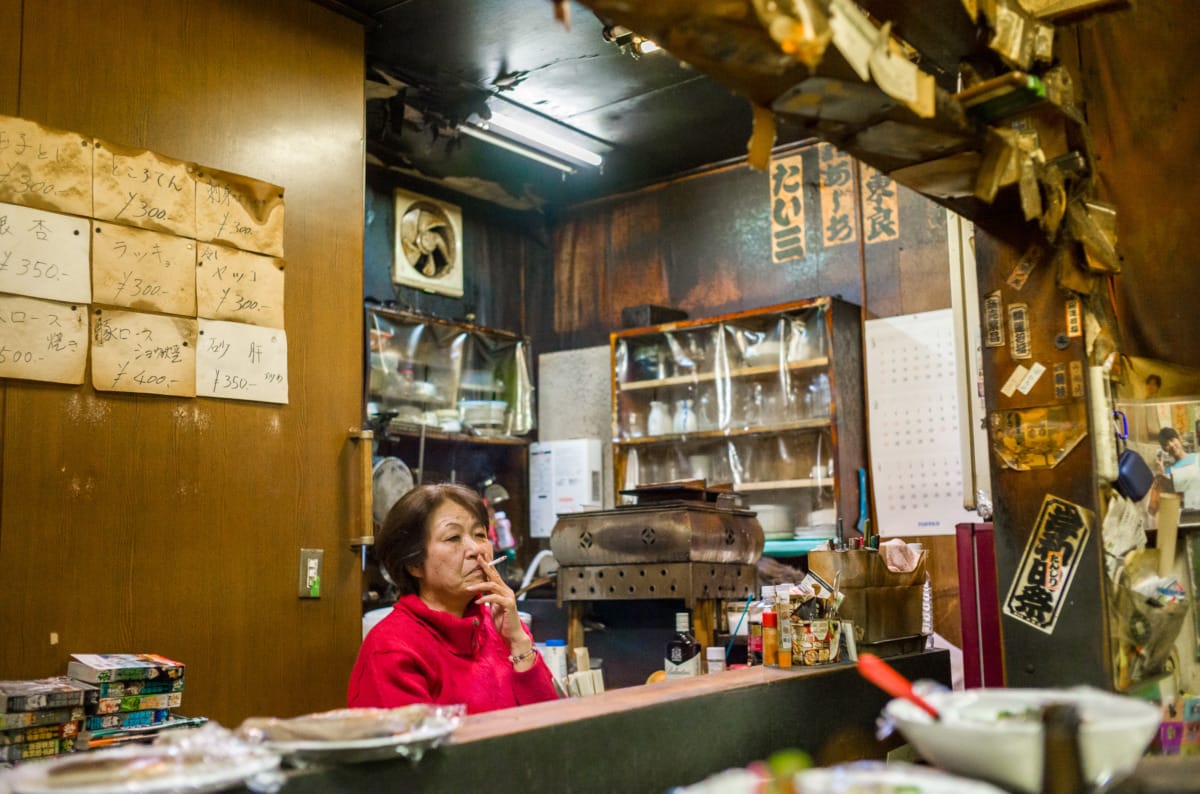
[[239, 211], [141, 269], [44, 254], [141, 188], [242, 362], [45, 168], [145, 353], [239, 286], [42, 340]]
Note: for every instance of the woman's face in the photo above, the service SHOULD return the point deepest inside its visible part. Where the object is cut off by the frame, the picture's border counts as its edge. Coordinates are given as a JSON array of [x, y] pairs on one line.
[[456, 548]]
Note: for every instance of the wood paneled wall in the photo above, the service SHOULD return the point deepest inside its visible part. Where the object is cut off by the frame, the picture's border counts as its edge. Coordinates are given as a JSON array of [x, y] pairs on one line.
[[703, 244], [141, 523]]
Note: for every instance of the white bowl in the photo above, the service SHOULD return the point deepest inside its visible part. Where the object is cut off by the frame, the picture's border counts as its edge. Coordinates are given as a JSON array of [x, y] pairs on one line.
[[974, 738]]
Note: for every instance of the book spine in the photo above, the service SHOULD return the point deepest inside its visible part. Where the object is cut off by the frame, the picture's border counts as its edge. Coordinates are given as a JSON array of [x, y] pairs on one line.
[[127, 720], [119, 689], [29, 719], [42, 748], [167, 700], [24, 735]]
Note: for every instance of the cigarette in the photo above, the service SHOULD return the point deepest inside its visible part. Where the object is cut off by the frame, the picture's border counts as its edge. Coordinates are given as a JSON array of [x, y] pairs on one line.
[[496, 560]]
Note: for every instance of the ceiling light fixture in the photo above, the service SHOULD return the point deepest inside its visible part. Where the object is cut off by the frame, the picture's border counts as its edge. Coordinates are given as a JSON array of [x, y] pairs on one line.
[[483, 134], [543, 139]]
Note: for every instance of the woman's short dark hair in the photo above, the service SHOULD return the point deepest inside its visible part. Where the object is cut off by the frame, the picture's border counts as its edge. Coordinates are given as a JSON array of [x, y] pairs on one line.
[[402, 538]]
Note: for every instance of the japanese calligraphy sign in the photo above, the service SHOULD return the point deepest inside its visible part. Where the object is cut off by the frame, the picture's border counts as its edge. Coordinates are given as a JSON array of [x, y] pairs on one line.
[[45, 168], [239, 211], [239, 286], [837, 196], [141, 188], [881, 206], [1048, 566], [140, 269], [787, 208], [147, 353], [44, 254], [42, 340], [241, 362]]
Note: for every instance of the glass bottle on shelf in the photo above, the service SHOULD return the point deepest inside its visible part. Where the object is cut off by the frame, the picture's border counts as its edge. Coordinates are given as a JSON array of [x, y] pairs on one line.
[[658, 422], [685, 420]]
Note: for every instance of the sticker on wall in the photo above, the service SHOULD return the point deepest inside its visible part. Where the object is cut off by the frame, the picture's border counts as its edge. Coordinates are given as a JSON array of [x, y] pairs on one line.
[[787, 208], [1074, 318], [1076, 373], [1020, 274], [1037, 438], [993, 320], [1043, 579], [1018, 330], [1060, 381]]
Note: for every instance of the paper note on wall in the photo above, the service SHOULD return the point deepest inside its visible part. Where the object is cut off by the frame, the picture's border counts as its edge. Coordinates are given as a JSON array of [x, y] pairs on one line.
[[45, 168], [239, 211], [146, 353], [838, 224], [239, 286], [44, 254], [141, 269], [137, 187], [42, 340], [787, 207], [241, 362]]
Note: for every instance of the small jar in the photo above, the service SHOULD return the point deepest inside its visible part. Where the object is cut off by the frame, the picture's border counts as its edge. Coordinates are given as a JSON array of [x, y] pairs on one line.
[[658, 423], [714, 655]]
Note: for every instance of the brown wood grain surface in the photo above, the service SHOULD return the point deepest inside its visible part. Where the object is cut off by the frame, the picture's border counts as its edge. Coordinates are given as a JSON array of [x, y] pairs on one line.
[[148, 524]]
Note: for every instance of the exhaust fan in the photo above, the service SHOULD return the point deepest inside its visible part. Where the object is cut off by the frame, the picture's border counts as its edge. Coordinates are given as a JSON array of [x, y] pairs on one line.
[[428, 244]]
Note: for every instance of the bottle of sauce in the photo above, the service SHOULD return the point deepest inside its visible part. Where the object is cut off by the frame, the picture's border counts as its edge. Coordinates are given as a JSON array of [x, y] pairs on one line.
[[683, 652], [770, 629], [754, 636], [1062, 767], [783, 608]]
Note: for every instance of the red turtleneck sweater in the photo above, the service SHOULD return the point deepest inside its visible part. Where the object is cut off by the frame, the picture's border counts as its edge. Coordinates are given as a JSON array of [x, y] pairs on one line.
[[421, 655]]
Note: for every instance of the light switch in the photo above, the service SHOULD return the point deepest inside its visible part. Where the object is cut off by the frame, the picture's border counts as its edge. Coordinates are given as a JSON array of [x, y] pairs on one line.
[[311, 561]]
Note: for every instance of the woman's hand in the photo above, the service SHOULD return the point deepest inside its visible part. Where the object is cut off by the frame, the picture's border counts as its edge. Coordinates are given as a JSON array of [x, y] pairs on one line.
[[503, 604]]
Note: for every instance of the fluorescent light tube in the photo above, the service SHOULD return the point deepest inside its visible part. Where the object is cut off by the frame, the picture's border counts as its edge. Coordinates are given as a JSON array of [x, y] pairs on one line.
[[512, 146], [542, 138]]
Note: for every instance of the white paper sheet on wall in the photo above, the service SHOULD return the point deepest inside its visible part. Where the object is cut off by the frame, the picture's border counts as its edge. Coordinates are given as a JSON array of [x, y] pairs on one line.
[[44, 254], [916, 459], [238, 361]]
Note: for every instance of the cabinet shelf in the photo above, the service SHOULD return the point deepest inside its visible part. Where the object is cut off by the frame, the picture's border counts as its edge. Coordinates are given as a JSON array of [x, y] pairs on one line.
[[732, 370], [710, 435], [432, 434], [707, 377]]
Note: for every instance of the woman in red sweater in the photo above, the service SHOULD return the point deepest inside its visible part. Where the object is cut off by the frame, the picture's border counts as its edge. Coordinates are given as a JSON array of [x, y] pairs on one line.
[[454, 636]]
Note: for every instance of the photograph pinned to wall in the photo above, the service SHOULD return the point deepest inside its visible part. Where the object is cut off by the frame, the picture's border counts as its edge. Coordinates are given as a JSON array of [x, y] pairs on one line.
[[239, 286], [44, 254], [236, 361], [45, 168], [42, 340], [143, 353], [145, 270]]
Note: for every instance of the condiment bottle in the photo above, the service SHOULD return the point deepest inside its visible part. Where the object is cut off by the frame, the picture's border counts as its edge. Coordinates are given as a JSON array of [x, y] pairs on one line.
[[683, 652], [754, 636], [783, 607], [770, 629], [715, 658], [1062, 767]]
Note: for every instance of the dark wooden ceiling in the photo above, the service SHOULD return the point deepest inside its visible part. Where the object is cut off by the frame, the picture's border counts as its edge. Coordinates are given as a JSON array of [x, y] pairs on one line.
[[433, 63]]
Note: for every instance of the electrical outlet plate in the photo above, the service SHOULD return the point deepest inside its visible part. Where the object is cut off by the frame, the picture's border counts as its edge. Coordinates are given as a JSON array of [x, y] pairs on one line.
[[312, 562]]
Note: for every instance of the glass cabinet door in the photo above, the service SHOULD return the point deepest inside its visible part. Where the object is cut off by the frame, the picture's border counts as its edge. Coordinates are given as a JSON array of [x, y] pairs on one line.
[[749, 400]]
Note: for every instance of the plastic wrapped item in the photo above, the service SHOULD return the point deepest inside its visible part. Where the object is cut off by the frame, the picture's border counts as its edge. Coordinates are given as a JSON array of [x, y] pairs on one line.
[[355, 735], [209, 758]]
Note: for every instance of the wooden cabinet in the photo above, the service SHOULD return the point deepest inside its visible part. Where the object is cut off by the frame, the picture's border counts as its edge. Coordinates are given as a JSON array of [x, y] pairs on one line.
[[454, 402], [769, 400]]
